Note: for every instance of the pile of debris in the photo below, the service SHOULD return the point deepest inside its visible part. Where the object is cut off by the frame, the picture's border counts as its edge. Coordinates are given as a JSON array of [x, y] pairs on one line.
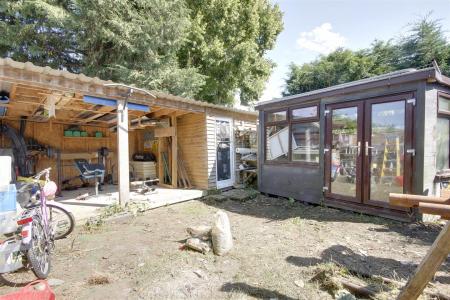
[[218, 237]]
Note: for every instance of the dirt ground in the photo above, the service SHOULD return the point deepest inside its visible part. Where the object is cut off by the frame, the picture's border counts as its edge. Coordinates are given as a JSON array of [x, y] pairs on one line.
[[278, 247]]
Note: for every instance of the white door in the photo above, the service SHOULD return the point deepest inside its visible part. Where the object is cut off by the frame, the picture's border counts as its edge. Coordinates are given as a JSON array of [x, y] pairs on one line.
[[224, 153]]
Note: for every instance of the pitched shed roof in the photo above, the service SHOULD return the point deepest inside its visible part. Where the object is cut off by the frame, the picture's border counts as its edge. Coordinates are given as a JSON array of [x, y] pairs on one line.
[[397, 77], [15, 72]]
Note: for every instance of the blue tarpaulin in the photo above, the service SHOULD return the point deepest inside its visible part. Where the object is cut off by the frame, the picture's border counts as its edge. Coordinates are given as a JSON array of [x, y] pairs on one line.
[[112, 102]]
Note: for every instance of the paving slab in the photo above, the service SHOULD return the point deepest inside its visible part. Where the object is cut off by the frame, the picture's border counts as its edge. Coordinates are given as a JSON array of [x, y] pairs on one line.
[[92, 205]]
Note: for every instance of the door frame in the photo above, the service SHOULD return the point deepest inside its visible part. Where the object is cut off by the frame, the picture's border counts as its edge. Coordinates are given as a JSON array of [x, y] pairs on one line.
[[229, 182], [363, 132], [328, 139]]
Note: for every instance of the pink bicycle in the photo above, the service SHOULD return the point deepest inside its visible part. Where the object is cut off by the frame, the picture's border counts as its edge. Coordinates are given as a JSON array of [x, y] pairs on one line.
[[38, 227]]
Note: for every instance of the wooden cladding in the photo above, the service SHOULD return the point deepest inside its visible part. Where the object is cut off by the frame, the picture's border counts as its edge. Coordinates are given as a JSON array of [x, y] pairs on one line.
[[165, 132]]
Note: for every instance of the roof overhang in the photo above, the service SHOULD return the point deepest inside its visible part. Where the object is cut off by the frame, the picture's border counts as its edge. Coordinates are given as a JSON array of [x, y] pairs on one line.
[[16, 77], [428, 74]]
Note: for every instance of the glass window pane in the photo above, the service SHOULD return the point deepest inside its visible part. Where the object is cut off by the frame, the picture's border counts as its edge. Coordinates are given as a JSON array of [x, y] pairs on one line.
[[223, 140], [305, 142], [444, 104], [344, 151], [442, 144], [305, 112], [277, 143], [387, 153], [276, 116]]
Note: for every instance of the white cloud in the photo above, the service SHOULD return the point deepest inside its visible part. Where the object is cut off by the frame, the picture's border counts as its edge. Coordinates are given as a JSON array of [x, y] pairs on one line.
[[321, 39]]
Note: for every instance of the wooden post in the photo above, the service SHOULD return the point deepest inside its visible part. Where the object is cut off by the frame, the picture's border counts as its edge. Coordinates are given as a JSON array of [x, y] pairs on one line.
[[428, 267], [123, 152], [160, 162], [174, 152]]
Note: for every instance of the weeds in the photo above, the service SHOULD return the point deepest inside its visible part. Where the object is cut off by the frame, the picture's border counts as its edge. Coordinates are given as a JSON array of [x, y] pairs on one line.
[[94, 223], [98, 279]]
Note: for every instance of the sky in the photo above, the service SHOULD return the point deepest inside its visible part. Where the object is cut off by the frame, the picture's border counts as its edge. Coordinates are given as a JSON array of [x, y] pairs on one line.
[[318, 27]]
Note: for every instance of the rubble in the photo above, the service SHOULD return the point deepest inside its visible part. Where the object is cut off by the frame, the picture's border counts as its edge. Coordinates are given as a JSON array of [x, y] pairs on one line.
[[218, 236]]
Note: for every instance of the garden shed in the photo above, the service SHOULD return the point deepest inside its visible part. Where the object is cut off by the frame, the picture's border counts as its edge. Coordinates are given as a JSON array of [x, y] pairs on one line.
[[50, 118], [350, 145]]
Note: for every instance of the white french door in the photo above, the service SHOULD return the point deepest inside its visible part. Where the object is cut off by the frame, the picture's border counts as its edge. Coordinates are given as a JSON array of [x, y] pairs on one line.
[[224, 153]]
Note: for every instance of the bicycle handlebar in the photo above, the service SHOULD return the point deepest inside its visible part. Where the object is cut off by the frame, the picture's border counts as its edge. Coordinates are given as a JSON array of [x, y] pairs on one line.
[[45, 171]]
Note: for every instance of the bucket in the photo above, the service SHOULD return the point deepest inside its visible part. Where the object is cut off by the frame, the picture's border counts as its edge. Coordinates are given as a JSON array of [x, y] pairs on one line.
[[8, 208], [8, 195]]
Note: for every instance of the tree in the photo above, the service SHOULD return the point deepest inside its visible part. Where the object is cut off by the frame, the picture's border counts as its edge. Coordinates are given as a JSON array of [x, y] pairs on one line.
[[227, 43], [137, 42], [338, 67], [424, 43], [205, 49], [127, 41], [39, 31]]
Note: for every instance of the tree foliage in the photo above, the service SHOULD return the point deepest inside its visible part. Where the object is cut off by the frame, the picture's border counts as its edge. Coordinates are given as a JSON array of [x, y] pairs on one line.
[[205, 49], [424, 43], [227, 43], [40, 32]]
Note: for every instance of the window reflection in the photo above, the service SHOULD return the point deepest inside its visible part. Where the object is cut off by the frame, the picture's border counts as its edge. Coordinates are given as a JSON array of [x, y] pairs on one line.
[[277, 142]]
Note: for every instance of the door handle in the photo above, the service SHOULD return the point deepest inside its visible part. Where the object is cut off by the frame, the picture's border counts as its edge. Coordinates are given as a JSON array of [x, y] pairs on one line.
[[367, 148], [358, 146]]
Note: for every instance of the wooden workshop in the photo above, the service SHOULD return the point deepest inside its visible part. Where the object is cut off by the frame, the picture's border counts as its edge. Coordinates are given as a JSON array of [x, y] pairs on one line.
[[89, 130]]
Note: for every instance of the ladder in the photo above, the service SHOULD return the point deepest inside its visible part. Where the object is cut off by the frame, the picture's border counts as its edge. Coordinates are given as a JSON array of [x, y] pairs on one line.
[[391, 165]]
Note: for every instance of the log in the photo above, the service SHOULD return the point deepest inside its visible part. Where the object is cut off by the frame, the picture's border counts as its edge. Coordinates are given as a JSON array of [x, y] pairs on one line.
[[358, 290], [408, 200], [442, 210], [428, 267]]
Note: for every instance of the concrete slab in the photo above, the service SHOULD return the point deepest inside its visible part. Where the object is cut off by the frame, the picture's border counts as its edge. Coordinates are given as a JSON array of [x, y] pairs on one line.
[[91, 206]]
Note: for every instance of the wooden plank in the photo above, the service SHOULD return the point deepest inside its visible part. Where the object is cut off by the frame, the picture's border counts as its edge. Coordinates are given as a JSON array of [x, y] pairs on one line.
[[165, 132], [174, 152], [442, 210], [123, 152], [160, 162], [428, 267], [79, 155], [407, 200], [160, 113]]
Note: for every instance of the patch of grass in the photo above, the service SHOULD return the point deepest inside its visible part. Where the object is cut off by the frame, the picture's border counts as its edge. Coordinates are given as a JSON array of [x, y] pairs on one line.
[[325, 277], [291, 201], [297, 221], [98, 279], [95, 223], [112, 210], [213, 192]]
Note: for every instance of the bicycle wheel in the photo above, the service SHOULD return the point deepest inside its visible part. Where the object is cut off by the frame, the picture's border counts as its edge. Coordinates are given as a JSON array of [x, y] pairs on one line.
[[61, 221], [39, 253]]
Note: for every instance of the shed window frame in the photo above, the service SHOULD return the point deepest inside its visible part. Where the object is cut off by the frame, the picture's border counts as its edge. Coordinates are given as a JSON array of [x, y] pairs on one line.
[[289, 122], [444, 114]]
